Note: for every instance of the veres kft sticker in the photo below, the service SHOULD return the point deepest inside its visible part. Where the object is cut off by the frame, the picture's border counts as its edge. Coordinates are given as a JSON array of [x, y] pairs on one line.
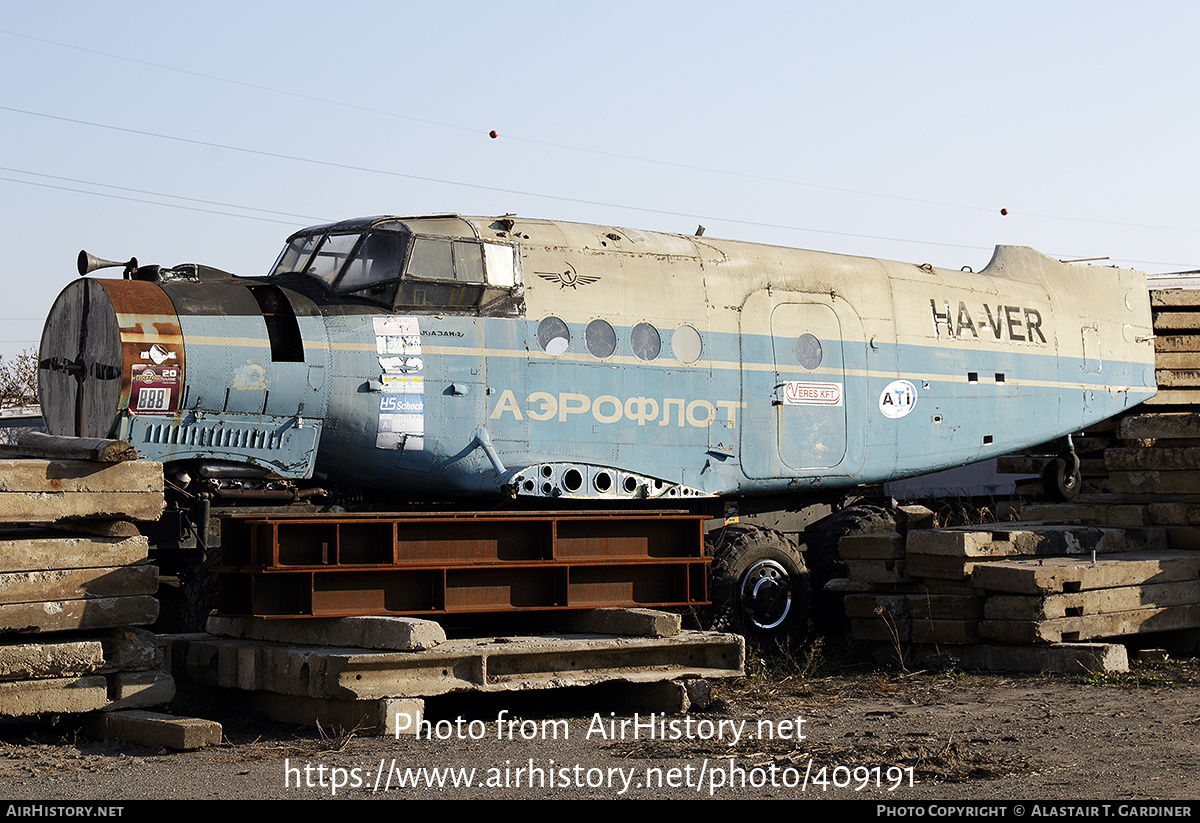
[[897, 399], [797, 393]]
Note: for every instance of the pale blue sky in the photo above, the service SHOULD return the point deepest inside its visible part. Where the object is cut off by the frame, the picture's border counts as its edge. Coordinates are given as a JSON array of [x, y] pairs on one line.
[[881, 129]]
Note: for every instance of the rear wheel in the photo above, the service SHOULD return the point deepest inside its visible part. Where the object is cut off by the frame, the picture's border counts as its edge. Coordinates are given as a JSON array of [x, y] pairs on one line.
[[760, 585], [1061, 479]]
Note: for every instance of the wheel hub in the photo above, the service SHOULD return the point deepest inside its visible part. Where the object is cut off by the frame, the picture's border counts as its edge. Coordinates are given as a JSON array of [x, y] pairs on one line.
[[766, 594]]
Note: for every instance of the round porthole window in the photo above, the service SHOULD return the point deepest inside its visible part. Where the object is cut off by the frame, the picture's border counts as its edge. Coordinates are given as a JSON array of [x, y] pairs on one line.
[[685, 344], [645, 342], [808, 351], [600, 338], [553, 336]]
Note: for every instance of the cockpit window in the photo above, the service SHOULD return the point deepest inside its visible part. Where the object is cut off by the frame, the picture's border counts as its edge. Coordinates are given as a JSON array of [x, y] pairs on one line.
[[380, 258], [404, 271], [330, 257], [295, 256]]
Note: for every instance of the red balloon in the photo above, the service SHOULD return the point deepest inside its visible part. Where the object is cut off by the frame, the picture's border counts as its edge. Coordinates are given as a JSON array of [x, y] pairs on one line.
[[493, 134], [1002, 211]]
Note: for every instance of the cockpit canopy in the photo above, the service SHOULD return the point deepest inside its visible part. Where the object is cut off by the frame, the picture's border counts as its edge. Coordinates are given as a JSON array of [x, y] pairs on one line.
[[386, 261]]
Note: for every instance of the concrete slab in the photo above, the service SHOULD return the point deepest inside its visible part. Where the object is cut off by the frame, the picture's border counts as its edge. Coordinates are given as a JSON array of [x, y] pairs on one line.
[[1056, 574], [405, 716], [64, 695], [1176, 320], [1158, 425], [1179, 399], [931, 568], [45, 491], [1084, 603], [1099, 513], [1070, 629], [878, 571], [482, 664], [385, 632], [131, 650], [1174, 297], [29, 661], [887, 546], [72, 615], [911, 517], [121, 650], [1159, 459], [41, 550], [154, 729], [881, 630], [77, 584], [99, 528], [915, 630], [1174, 514], [1183, 537], [866, 605], [945, 631], [630, 622], [1154, 482], [140, 690], [1177, 378], [927, 606], [1167, 346], [957, 543], [1030, 539]]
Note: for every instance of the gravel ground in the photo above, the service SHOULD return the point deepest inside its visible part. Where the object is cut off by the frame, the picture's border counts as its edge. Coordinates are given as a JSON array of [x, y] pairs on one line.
[[786, 731]]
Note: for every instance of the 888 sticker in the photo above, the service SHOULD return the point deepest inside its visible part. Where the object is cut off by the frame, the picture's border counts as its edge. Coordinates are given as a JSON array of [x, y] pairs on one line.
[[154, 389]]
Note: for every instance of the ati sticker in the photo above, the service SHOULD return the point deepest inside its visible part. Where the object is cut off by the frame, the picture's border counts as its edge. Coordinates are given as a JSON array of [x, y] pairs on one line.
[[154, 390], [797, 393], [897, 399]]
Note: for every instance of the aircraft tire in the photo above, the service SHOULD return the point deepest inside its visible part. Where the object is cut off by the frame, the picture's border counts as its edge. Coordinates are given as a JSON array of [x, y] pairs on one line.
[[760, 586], [1061, 479], [825, 562]]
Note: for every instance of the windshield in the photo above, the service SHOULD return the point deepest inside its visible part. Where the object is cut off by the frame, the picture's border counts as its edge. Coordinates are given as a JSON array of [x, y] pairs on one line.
[[400, 271], [345, 262]]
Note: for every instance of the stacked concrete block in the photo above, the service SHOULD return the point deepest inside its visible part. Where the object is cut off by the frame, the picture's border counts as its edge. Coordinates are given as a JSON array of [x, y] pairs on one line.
[[1158, 469], [1176, 349], [372, 673], [1154, 480], [69, 597], [1116, 595], [975, 591]]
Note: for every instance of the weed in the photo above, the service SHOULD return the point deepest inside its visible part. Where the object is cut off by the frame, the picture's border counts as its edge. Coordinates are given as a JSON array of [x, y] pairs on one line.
[[1136, 679], [337, 740], [889, 620], [768, 668]]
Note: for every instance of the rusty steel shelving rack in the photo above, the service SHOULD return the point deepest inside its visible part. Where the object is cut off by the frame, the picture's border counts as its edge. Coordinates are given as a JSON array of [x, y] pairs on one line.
[[344, 565]]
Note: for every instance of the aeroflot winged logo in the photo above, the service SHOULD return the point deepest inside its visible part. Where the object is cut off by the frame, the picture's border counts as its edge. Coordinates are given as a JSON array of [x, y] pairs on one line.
[[569, 278]]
